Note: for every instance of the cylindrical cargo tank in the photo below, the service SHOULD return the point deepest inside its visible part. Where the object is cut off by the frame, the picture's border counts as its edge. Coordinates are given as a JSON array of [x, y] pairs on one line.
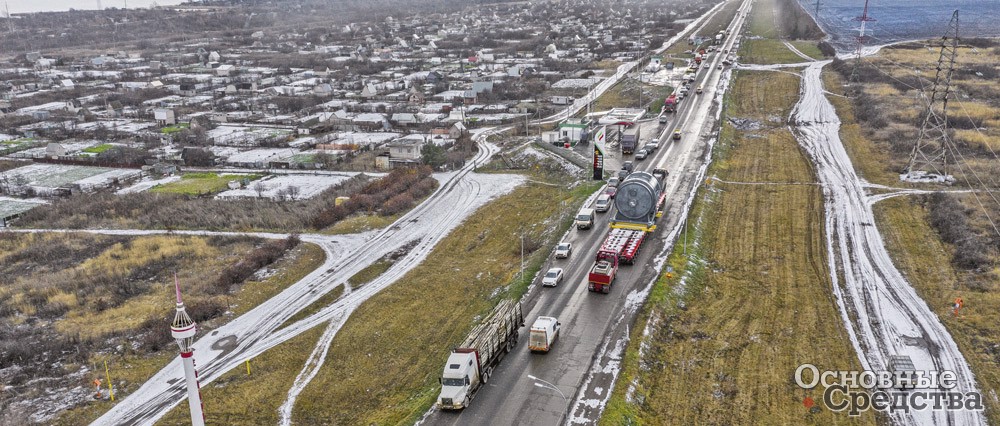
[[637, 196]]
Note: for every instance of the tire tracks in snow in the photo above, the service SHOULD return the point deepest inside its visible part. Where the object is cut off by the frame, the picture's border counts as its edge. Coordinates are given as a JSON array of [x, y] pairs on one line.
[[883, 314], [261, 328]]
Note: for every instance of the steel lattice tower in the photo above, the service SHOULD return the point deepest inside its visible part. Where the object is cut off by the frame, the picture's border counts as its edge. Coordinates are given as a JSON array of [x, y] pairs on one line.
[[861, 39], [932, 144]]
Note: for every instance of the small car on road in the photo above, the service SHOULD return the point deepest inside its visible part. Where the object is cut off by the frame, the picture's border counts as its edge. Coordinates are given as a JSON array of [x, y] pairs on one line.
[[553, 277], [677, 135], [610, 191], [563, 250], [641, 154]]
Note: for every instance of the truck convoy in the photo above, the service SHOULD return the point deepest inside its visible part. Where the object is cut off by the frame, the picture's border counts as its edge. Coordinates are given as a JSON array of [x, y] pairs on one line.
[[630, 139], [471, 364], [638, 204]]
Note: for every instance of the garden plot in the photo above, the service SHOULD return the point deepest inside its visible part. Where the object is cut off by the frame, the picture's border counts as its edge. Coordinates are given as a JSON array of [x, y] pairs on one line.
[[10, 207], [147, 184], [262, 157], [71, 147], [46, 178], [276, 187], [130, 126], [365, 139], [245, 135], [576, 83]]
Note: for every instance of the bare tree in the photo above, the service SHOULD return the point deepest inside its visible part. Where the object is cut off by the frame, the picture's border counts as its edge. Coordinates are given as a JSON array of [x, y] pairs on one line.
[[260, 188], [293, 192]]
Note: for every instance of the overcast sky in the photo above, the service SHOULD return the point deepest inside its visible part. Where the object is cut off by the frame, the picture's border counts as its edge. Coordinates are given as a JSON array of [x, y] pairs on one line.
[[20, 6]]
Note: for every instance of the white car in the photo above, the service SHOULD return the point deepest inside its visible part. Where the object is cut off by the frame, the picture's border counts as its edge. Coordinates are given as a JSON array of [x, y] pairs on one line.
[[553, 277], [563, 250]]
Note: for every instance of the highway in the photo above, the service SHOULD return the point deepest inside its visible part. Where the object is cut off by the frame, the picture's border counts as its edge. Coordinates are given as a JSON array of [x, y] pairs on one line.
[[571, 383]]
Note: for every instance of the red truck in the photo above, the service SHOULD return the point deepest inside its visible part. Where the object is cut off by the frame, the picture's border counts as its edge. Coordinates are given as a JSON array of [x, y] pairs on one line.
[[670, 104]]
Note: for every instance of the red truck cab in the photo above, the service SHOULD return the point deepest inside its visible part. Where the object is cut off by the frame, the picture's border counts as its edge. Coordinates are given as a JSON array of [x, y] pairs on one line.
[[602, 274]]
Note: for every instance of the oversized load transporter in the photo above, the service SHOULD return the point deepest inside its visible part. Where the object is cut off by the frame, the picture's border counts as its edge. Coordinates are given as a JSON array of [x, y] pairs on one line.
[[639, 203], [471, 364]]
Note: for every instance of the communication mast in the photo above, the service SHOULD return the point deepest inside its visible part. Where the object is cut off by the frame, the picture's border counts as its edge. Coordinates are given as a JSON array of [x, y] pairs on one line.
[[183, 329], [861, 39], [933, 143]]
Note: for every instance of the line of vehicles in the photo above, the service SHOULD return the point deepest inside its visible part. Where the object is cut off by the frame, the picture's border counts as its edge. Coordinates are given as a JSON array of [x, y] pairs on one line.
[[639, 203], [638, 199]]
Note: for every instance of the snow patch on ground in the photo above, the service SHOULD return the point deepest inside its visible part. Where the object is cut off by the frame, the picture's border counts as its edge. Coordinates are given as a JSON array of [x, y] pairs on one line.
[[567, 166], [273, 187]]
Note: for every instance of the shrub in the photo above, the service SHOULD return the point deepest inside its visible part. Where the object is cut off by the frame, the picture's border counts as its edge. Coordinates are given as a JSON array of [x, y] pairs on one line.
[[951, 221], [259, 257]]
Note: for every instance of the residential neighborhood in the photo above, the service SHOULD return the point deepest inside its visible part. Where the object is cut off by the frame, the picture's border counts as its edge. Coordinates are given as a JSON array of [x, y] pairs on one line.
[[358, 96]]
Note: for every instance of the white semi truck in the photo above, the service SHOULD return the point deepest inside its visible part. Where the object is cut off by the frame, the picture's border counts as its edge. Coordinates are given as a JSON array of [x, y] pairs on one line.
[[471, 365]]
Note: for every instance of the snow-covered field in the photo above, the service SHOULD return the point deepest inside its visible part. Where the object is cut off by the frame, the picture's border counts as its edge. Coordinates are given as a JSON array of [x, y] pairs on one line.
[[576, 83], [13, 206], [45, 177], [274, 186], [244, 135]]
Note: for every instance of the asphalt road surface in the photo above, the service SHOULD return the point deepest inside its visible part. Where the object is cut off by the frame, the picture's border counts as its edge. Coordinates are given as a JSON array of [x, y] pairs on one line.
[[570, 383]]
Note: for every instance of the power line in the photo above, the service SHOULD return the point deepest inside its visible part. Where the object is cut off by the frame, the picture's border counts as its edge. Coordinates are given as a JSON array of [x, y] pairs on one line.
[[861, 39], [932, 141]]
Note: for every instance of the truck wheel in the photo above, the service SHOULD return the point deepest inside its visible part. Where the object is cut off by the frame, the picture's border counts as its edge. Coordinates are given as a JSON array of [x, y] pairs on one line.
[[606, 289], [487, 374], [465, 404]]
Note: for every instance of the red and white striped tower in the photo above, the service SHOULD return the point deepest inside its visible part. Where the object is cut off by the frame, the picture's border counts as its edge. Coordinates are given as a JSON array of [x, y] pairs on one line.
[[183, 329], [862, 38]]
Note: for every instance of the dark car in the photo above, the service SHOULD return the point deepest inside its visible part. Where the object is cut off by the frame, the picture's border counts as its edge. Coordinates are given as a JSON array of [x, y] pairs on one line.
[[628, 166]]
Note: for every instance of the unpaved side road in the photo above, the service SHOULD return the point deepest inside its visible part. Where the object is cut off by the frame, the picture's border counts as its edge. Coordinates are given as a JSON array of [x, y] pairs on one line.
[[882, 313]]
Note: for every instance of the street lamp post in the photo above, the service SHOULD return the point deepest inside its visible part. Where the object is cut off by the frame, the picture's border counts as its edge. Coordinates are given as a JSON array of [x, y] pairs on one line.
[[543, 384], [522, 259]]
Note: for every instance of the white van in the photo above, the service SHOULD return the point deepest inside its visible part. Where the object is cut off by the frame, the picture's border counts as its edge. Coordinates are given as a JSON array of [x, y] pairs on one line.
[[543, 334], [603, 203], [585, 219]]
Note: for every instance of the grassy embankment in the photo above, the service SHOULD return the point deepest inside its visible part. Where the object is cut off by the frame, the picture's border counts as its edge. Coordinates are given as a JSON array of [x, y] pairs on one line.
[[751, 300], [771, 22], [919, 253], [131, 368], [390, 381]]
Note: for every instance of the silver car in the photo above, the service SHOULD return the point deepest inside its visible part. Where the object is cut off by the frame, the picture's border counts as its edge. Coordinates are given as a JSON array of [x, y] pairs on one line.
[[552, 277]]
